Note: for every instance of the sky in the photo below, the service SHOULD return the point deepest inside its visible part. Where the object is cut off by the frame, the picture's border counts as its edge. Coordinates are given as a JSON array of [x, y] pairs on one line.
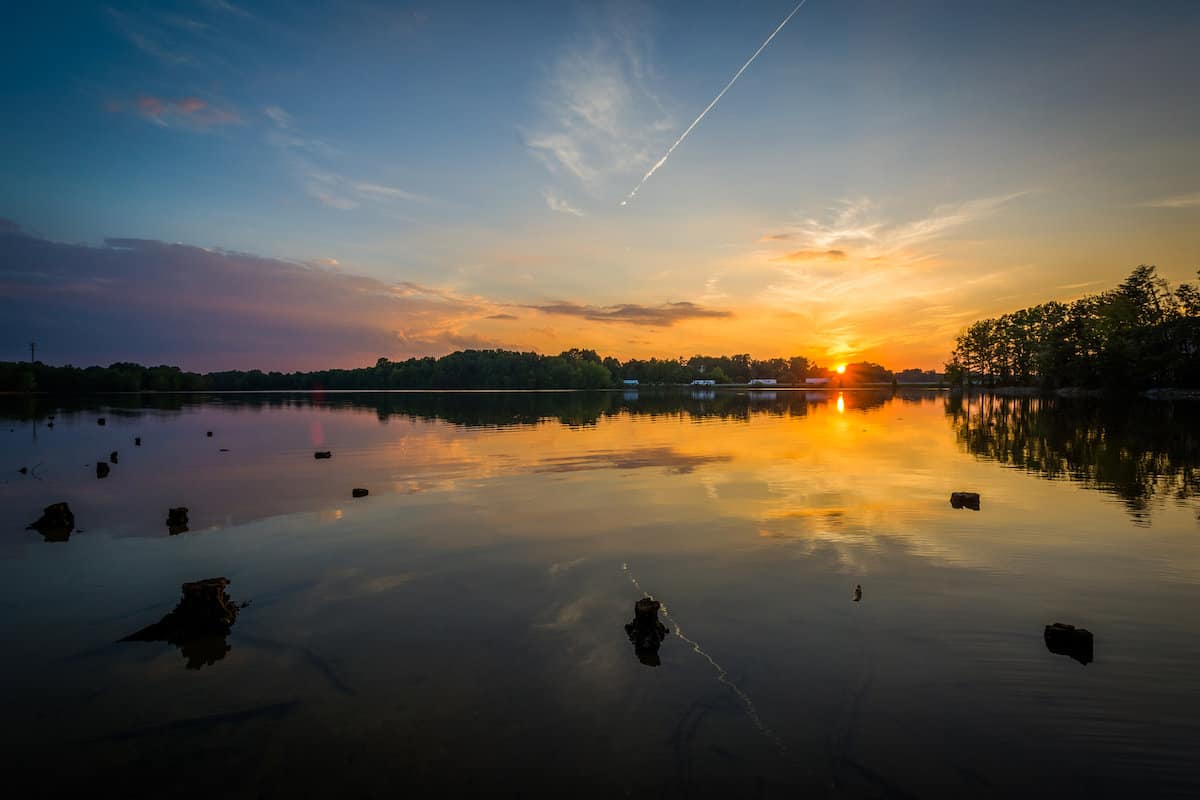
[[290, 185]]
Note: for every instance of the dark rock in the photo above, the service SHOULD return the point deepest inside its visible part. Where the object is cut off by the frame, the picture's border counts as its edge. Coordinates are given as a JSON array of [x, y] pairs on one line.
[[24, 470], [359, 492], [209, 434], [49, 424], [198, 625], [50, 416], [137, 441], [646, 632], [322, 454], [113, 456], [858, 593], [100, 421], [56, 523], [101, 469], [965, 500], [177, 520], [1067, 640]]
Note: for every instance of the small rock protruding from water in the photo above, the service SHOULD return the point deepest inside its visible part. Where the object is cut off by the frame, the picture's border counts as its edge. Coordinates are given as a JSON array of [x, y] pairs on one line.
[[208, 434], [113, 456], [1067, 640], [965, 500], [56, 523], [198, 625], [101, 469], [177, 520], [137, 441], [858, 593], [646, 632], [101, 421], [24, 470], [49, 424], [323, 454], [359, 492]]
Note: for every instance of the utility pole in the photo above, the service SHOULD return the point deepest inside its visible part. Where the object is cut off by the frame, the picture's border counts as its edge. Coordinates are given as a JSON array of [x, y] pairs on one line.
[[32, 351]]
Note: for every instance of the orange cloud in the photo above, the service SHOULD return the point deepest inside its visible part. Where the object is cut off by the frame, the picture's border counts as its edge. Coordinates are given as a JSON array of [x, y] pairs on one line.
[[776, 237], [813, 255], [188, 112]]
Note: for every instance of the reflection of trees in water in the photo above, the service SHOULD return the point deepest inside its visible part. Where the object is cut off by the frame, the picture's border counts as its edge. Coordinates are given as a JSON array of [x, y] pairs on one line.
[[472, 409], [1137, 450]]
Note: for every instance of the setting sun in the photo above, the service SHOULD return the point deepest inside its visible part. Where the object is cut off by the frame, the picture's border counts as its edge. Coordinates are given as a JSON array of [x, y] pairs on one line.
[[841, 369]]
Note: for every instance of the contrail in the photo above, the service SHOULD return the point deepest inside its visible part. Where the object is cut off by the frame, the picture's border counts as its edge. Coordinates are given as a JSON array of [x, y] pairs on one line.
[[696, 121]]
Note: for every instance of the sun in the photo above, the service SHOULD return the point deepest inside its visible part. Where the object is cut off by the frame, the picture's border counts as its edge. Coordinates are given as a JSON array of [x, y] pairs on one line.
[[841, 369]]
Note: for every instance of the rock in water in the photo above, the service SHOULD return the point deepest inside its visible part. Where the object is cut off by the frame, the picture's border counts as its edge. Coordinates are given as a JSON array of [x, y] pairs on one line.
[[323, 454], [177, 520], [24, 470], [198, 625], [100, 421], [113, 456], [137, 441], [101, 469], [646, 632], [1067, 640], [55, 524], [359, 492], [208, 434], [965, 500]]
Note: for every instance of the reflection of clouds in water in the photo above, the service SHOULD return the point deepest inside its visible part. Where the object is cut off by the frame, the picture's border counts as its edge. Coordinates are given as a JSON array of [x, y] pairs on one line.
[[563, 566], [569, 615], [350, 582], [671, 458]]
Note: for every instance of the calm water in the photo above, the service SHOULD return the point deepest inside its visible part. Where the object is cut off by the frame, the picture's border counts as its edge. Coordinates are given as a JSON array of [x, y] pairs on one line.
[[461, 628]]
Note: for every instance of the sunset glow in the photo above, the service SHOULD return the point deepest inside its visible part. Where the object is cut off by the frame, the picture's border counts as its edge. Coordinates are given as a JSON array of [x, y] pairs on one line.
[[841, 369]]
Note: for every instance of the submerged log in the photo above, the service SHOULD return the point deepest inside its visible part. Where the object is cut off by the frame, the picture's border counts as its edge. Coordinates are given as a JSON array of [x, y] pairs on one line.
[[198, 625], [965, 500], [1067, 640], [646, 632], [55, 524], [177, 520]]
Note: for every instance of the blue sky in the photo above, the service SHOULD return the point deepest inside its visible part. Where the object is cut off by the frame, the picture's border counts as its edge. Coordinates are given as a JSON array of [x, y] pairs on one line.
[[881, 175]]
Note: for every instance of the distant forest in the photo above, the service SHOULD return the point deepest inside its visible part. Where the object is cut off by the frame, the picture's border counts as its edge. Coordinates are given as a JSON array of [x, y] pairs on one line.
[[1141, 334], [468, 369]]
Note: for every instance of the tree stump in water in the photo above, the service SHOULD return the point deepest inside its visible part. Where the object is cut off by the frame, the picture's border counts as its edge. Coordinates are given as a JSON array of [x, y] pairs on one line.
[[646, 632], [101, 469], [55, 524], [965, 500], [1067, 640], [177, 520], [198, 625]]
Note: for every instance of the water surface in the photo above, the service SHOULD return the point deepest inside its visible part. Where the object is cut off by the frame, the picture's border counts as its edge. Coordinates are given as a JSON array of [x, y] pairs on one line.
[[461, 628]]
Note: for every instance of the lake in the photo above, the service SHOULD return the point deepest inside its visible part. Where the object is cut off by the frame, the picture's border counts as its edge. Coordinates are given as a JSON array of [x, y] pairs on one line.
[[461, 629]]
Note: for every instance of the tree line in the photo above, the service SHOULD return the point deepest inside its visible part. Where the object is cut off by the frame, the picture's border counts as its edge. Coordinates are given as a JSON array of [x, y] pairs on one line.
[[1141, 334], [466, 369]]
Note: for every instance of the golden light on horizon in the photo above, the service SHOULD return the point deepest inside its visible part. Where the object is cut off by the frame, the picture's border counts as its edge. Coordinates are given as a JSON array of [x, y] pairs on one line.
[[841, 369]]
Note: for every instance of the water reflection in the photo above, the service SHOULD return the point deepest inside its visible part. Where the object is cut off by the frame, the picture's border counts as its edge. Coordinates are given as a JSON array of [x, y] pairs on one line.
[[1141, 451]]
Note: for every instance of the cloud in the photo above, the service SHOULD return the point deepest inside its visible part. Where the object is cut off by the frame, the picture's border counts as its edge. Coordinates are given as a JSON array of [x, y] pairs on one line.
[[186, 112], [663, 315], [598, 117], [379, 190], [556, 203], [8, 226], [813, 255], [277, 115], [157, 302], [1174, 201], [776, 237], [502, 316], [147, 38]]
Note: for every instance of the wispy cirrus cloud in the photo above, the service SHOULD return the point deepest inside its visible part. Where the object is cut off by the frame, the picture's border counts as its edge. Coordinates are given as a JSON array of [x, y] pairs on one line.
[[599, 117], [185, 112], [556, 203], [663, 315], [812, 255], [1174, 201]]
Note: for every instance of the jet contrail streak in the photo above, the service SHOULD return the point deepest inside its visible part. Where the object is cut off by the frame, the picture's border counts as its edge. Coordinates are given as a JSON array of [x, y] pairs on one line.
[[696, 121]]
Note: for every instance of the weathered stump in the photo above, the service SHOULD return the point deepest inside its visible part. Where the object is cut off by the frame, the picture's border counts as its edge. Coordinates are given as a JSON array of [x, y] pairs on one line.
[[323, 454], [55, 524], [137, 441], [1067, 640], [965, 500], [100, 421], [646, 632], [101, 469], [858, 593], [177, 520], [113, 456], [208, 434], [359, 492], [198, 625]]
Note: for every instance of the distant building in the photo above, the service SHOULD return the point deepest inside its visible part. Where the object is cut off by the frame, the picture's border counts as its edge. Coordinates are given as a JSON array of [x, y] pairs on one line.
[[703, 382], [630, 382], [816, 381], [763, 381]]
